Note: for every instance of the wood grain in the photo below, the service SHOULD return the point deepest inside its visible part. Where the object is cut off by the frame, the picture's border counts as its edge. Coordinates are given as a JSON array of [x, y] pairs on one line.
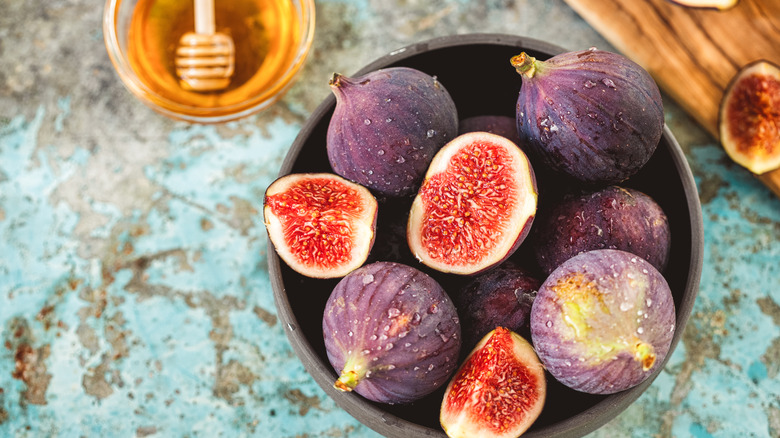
[[692, 53]]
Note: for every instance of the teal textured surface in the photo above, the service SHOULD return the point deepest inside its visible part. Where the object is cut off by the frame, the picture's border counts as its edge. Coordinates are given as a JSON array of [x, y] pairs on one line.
[[134, 292]]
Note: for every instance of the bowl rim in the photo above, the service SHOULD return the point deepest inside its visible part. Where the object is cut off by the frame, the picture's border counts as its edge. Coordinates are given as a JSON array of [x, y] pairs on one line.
[[189, 113], [390, 425]]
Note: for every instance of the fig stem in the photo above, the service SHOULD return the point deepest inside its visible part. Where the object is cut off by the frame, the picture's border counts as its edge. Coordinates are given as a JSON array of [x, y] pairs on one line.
[[335, 80], [645, 354], [351, 375], [526, 64]]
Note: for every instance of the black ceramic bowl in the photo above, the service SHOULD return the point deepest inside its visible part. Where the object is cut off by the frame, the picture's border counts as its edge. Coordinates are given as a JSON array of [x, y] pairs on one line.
[[475, 70]]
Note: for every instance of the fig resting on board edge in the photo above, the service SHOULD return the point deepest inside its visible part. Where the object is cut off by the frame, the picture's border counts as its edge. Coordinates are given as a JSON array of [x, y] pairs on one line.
[[749, 117], [475, 206], [320, 224]]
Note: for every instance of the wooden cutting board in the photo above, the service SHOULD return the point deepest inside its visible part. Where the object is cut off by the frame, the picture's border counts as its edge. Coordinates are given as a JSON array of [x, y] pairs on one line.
[[691, 52]]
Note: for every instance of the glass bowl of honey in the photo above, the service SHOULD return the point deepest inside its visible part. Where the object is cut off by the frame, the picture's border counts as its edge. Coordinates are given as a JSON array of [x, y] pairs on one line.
[[270, 42]]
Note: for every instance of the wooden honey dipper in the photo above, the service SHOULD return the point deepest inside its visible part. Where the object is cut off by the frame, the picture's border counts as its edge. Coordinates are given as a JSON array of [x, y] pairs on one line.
[[204, 58]]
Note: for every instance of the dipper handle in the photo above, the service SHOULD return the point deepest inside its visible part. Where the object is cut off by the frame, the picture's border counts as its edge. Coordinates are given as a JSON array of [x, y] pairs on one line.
[[205, 59]]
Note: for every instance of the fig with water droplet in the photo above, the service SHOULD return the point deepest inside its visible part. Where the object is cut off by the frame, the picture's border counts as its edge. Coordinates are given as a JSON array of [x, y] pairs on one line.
[[720, 5], [611, 218], [500, 297], [498, 392], [594, 115], [391, 333], [475, 206], [749, 120], [386, 127], [603, 321], [320, 224]]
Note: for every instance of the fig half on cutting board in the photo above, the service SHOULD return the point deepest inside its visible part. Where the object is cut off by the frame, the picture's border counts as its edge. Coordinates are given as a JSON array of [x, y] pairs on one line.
[[749, 120]]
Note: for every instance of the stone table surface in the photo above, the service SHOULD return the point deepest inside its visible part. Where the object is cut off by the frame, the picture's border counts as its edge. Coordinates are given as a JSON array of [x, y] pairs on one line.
[[134, 293]]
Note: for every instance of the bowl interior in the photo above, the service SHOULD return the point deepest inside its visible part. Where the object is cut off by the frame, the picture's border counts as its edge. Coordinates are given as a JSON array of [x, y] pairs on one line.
[[475, 70]]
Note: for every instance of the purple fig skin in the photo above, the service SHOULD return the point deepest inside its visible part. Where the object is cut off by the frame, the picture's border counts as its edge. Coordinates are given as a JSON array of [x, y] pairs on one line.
[[594, 115], [611, 218], [603, 321], [501, 297], [391, 332], [504, 126], [387, 126]]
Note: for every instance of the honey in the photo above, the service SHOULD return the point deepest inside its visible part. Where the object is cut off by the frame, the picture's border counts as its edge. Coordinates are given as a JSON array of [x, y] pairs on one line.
[[266, 34]]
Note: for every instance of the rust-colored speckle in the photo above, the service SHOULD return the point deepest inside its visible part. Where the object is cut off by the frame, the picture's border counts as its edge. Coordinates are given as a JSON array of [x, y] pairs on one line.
[[31, 369]]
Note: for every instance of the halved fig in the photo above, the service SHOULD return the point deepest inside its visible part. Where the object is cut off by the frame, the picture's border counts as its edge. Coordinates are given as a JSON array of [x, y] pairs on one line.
[[710, 4], [320, 224], [498, 392], [475, 206], [749, 120]]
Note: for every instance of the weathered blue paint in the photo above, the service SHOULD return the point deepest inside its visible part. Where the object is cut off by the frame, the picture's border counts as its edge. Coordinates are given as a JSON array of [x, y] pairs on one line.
[[134, 296]]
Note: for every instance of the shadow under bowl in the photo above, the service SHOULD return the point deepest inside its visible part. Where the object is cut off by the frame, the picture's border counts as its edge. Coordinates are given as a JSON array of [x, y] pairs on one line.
[[475, 70]]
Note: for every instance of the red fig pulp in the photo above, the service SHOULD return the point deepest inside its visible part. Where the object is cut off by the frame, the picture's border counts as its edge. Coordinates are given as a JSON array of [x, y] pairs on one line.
[[750, 117], [320, 224], [475, 206], [594, 115], [498, 392]]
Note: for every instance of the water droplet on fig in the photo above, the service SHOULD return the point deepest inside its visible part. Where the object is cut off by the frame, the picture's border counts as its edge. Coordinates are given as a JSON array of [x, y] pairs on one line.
[[430, 133], [368, 278], [393, 312], [367, 121], [589, 84], [608, 82], [640, 330], [400, 160], [389, 346], [649, 302], [625, 306], [349, 333], [373, 338], [415, 319], [380, 152], [549, 323], [431, 367], [567, 363], [391, 367]]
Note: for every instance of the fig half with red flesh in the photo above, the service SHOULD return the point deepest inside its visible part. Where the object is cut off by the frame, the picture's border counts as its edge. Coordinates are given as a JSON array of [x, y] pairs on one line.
[[475, 206], [603, 321], [749, 120], [320, 224], [498, 392]]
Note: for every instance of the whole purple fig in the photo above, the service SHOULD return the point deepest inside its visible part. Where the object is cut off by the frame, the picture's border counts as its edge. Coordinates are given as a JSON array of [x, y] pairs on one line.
[[386, 127], [603, 321], [391, 332], [610, 218], [592, 114]]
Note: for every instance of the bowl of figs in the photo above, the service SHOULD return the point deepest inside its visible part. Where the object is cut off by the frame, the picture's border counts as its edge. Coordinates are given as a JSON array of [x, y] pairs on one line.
[[485, 235]]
